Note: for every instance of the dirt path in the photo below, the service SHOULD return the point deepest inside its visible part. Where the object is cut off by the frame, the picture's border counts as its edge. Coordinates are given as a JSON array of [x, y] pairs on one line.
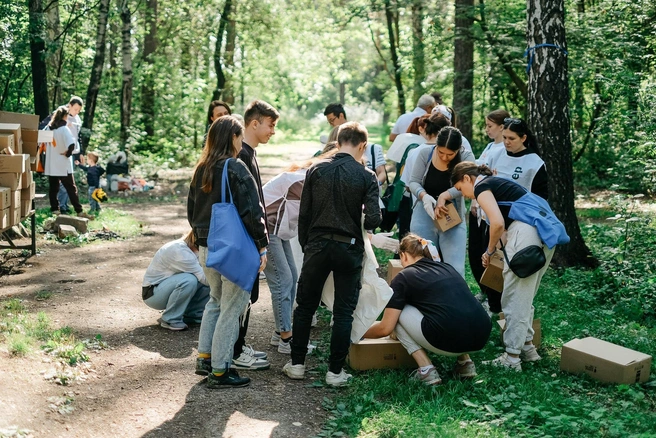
[[144, 384]]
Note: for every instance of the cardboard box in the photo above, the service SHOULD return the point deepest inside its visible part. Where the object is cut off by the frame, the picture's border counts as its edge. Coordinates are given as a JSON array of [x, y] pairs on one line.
[[4, 219], [15, 208], [375, 354], [11, 180], [393, 268], [14, 163], [604, 361], [33, 164], [26, 207], [449, 220], [493, 275], [26, 178], [11, 128], [537, 328], [34, 136], [27, 121], [7, 141], [5, 197], [28, 193], [14, 217], [30, 148]]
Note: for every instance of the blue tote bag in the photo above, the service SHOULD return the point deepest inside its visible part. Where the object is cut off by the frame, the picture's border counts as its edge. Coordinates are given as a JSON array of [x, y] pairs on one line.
[[230, 249]]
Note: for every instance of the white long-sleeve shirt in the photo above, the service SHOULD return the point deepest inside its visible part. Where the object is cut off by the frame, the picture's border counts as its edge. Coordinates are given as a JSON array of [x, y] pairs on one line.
[[173, 258]]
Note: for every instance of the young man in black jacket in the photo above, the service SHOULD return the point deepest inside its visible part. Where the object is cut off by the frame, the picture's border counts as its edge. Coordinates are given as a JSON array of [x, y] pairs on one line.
[[260, 120], [330, 232]]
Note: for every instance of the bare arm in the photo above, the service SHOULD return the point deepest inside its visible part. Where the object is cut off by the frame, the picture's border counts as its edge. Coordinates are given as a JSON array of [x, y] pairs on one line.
[[386, 326], [380, 173], [497, 225]]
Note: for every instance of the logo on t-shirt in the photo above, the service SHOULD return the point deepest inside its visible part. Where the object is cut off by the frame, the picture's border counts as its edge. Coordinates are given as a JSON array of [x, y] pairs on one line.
[[517, 172]]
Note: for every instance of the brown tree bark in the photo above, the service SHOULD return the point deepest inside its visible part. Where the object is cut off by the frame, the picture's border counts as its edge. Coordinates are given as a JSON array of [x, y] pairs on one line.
[[231, 39], [463, 66], [96, 74], [148, 83], [37, 32], [548, 115], [418, 59], [389, 17], [126, 87], [54, 59], [218, 62]]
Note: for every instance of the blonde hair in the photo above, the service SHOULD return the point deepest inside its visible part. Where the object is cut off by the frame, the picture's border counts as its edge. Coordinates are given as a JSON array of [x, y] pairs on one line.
[[189, 239], [93, 156]]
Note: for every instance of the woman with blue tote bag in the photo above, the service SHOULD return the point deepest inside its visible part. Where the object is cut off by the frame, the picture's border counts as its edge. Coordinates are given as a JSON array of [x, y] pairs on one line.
[[220, 325]]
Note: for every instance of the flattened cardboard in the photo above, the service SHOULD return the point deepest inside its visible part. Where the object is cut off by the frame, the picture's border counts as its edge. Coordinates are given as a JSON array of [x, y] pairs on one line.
[[5, 197], [605, 361], [393, 268], [537, 328], [493, 275], [11, 180], [27, 121], [14, 163], [375, 354], [448, 220]]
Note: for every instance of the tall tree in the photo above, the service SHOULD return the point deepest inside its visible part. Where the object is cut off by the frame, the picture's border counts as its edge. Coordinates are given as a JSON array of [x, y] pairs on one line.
[[148, 81], [54, 59], [418, 58], [231, 39], [96, 74], [218, 51], [393, 40], [548, 114], [126, 87], [37, 31], [463, 66]]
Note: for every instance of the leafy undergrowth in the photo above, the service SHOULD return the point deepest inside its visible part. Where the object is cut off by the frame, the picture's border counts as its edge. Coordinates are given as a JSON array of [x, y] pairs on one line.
[[615, 302]]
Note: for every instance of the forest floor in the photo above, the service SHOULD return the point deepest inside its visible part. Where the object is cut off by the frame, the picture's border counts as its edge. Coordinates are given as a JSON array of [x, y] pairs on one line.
[[143, 383]]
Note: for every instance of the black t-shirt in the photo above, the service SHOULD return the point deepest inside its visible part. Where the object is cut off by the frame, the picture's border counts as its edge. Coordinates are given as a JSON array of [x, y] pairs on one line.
[[437, 181], [454, 321], [503, 190]]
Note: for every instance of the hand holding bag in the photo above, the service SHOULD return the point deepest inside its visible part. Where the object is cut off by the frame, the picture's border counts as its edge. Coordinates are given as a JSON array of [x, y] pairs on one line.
[[230, 249]]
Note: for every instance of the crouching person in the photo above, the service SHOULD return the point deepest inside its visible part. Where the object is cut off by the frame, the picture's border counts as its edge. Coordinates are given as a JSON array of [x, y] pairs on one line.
[[175, 282], [433, 309]]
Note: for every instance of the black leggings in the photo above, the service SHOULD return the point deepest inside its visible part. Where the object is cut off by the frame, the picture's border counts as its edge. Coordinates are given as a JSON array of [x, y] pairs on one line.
[[69, 184]]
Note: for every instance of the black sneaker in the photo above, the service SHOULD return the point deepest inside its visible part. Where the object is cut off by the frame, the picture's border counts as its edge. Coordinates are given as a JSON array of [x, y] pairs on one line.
[[203, 366], [228, 380]]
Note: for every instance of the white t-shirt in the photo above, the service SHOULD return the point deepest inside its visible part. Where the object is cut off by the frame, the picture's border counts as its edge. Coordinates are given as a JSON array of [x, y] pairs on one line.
[[490, 149], [403, 122], [56, 163], [74, 124], [380, 157], [173, 258]]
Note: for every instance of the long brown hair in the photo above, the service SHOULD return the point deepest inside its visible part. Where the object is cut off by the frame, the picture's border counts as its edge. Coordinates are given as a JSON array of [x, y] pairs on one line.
[[219, 147], [469, 168], [413, 245]]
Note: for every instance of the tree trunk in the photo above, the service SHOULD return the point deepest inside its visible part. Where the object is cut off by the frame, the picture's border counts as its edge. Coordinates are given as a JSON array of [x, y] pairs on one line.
[[218, 67], [37, 31], [548, 113], [148, 84], [126, 88], [418, 48], [231, 38], [463, 66], [54, 59], [96, 74], [389, 16]]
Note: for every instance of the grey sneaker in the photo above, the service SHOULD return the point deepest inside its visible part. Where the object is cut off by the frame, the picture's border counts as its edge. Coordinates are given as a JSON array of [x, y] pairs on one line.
[[530, 355], [337, 380], [504, 361], [253, 352], [466, 370], [430, 377], [295, 372], [275, 338], [284, 347], [174, 326], [247, 362]]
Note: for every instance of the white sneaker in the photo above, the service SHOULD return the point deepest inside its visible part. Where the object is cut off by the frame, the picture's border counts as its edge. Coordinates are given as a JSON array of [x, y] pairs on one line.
[[248, 349], [337, 380], [530, 355], [247, 362], [275, 338], [504, 361], [284, 347], [430, 377], [314, 320], [295, 372]]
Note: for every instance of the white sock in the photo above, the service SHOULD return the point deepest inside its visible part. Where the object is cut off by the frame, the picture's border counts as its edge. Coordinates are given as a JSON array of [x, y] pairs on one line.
[[424, 370], [527, 347], [513, 359], [462, 362]]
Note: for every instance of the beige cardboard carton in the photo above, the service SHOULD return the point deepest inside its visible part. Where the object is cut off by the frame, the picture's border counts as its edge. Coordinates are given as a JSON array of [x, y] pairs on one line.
[[4, 219], [11, 180], [393, 268], [537, 328], [14, 163], [30, 148], [5, 197], [604, 361], [28, 193], [448, 220], [27, 121], [15, 208], [493, 275], [26, 178], [7, 141], [33, 136], [373, 354]]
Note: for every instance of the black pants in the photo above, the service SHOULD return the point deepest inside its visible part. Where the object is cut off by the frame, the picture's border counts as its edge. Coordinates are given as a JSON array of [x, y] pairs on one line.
[[478, 241], [345, 262], [405, 216], [243, 321], [69, 184]]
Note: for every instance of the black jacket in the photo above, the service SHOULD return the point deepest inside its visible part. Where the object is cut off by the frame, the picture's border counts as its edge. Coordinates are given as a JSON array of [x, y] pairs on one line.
[[247, 155], [245, 198]]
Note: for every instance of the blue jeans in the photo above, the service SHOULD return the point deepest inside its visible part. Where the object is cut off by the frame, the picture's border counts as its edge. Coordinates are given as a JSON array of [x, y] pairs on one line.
[[62, 197], [281, 276], [220, 326], [92, 202], [451, 243], [181, 296]]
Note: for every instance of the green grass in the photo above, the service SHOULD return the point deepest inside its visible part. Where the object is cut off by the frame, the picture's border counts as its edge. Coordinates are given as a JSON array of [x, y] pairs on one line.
[[615, 303]]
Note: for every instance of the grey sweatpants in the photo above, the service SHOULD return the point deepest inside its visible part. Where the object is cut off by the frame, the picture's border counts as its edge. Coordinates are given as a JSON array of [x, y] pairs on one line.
[[408, 332], [518, 293]]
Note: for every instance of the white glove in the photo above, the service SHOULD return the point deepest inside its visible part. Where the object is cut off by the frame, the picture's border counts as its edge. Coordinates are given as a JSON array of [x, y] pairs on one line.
[[429, 205], [384, 241]]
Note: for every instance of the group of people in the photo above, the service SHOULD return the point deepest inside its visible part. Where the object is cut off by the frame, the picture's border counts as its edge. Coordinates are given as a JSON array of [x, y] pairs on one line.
[[327, 207]]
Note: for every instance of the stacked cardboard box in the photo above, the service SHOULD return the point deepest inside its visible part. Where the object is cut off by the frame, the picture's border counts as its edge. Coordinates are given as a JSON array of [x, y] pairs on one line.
[[19, 138]]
